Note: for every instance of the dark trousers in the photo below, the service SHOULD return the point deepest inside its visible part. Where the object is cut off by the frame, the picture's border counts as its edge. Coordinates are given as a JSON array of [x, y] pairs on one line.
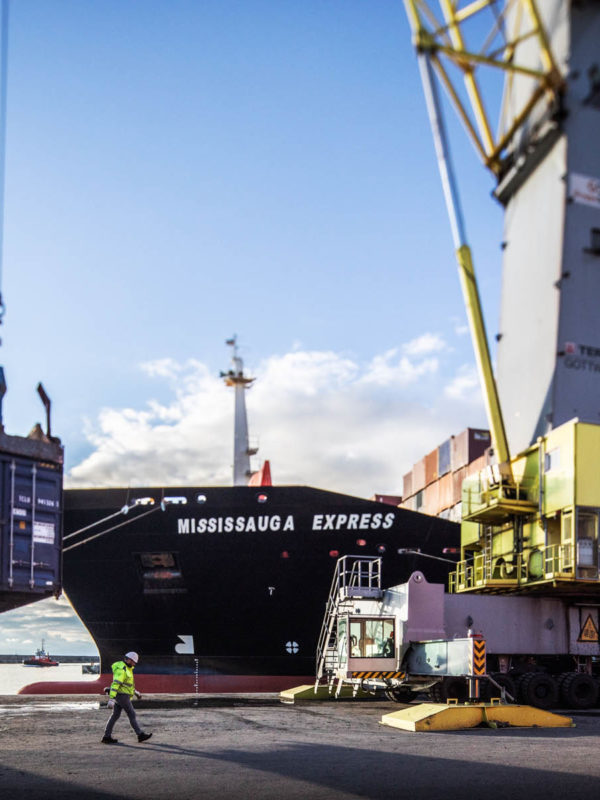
[[122, 703]]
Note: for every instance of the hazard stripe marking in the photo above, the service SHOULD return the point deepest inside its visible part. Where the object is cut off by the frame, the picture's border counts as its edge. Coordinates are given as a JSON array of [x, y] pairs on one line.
[[478, 659], [366, 675]]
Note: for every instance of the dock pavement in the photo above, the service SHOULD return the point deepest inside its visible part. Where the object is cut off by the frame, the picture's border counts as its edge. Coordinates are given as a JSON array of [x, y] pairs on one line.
[[225, 747]]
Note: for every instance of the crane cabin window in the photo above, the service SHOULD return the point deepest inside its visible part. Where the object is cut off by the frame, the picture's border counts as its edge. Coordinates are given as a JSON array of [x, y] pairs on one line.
[[372, 638]]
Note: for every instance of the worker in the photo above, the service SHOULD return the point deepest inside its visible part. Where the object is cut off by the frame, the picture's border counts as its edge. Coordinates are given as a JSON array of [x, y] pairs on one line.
[[121, 691], [389, 646]]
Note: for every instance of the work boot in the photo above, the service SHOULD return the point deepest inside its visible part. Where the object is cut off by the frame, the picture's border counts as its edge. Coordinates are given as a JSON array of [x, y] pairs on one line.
[[143, 736], [109, 740]]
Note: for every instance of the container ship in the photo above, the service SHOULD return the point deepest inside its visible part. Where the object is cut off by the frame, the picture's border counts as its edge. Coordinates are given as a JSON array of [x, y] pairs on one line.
[[222, 589]]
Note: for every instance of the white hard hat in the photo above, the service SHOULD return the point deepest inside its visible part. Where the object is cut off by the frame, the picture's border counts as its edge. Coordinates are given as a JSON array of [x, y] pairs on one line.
[[133, 656]]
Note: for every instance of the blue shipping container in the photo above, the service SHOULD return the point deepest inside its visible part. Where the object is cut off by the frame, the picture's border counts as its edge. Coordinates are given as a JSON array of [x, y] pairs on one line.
[[444, 457], [30, 521]]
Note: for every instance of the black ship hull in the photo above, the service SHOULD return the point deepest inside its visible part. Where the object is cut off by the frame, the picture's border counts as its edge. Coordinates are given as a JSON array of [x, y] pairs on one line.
[[224, 589]]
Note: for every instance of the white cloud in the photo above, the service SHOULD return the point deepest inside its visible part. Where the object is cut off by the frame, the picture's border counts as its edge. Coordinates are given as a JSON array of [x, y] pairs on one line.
[[465, 387], [426, 343], [54, 621], [390, 368], [460, 326], [322, 418]]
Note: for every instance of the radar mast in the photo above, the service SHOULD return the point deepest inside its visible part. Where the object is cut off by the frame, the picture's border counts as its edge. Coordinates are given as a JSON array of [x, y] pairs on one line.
[[241, 446]]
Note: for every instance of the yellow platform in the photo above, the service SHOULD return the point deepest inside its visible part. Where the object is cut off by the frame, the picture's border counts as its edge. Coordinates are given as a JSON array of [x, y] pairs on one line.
[[439, 717], [307, 692]]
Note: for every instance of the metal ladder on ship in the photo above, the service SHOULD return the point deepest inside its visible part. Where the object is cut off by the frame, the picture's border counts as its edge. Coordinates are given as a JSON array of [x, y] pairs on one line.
[[354, 576]]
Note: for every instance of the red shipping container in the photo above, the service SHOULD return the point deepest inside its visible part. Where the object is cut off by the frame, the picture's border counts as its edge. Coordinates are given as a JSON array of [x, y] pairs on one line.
[[432, 499], [431, 467], [446, 492]]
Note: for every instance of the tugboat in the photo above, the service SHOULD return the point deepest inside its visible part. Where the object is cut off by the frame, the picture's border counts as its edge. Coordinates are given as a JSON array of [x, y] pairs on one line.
[[40, 659]]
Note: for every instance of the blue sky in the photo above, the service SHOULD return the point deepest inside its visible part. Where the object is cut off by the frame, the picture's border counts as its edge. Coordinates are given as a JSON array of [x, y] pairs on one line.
[[180, 171]]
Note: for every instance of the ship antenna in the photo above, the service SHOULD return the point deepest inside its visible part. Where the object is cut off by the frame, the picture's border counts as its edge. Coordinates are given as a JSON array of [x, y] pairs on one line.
[[241, 446]]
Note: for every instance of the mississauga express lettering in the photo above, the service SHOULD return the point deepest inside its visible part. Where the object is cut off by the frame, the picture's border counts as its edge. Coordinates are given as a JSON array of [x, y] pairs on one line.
[[276, 522]]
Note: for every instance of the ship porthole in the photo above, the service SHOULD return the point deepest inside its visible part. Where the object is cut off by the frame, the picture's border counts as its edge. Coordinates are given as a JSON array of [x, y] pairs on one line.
[[292, 647], [361, 542], [201, 498], [334, 553], [262, 498]]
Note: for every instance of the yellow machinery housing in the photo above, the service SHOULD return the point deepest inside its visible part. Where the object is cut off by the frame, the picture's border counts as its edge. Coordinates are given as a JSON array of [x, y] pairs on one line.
[[540, 529]]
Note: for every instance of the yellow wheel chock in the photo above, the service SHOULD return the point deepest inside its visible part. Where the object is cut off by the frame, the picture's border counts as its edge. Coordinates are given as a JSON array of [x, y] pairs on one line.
[[455, 717]]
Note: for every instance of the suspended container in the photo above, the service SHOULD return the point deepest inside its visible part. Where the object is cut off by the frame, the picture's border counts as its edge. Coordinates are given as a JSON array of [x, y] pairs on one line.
[[31, 475]]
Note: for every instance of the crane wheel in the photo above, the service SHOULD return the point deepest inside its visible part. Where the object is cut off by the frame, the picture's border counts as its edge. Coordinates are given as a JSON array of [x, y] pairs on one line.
[[538, 689], [399, 695], [579, 690], [437, 693], [451, 687]]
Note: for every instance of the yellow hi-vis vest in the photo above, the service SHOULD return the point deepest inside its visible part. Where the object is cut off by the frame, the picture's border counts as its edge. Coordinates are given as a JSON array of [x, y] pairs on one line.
[[122, 679]]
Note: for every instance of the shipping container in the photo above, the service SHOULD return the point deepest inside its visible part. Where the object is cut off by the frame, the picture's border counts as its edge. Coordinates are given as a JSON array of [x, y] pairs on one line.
[[388, 499], [467, 446], [446, 491], [31, 519], [479, 441], [444, 457], [407, 485], [418, 473], [457, 480], [432, 499], [431, 467]]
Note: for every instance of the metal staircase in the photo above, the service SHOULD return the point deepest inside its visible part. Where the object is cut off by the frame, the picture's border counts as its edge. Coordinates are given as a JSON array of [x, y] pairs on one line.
[[354, 576]]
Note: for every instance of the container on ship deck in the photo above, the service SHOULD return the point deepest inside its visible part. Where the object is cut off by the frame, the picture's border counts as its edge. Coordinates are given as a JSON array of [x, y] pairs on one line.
[[431, 504], [431, 467], [407, 485], [467, 446], [446, 491], [418, 473], [445, 457]]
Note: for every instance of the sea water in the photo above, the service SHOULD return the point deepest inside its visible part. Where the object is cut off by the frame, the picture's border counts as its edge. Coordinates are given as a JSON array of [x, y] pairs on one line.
[[14, 676]]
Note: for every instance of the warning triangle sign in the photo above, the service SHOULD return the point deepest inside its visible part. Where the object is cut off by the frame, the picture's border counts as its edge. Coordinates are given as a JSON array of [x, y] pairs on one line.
[[589, 631]]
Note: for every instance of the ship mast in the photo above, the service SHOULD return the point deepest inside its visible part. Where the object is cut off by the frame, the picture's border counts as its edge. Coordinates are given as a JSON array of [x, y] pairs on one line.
[[241, 447]]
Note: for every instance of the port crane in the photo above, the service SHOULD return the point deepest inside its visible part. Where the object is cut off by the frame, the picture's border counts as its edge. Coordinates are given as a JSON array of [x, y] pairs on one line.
[[530, 519]]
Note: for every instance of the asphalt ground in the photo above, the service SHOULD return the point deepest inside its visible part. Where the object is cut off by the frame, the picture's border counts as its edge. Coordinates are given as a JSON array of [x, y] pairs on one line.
[[221, 747]]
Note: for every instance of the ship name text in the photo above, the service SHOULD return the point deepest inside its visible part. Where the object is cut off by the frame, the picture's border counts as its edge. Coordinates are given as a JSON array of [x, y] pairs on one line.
[[277, 522], [352, 522], [238, 524]]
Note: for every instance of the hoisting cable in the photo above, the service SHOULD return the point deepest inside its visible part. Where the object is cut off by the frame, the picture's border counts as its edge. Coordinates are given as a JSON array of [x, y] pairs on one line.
[[126, 509], [114, 528]]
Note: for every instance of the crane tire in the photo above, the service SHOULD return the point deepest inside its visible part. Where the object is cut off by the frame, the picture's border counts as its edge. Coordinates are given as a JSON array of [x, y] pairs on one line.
[[579, 690], [437, 693], [538, 689], [456, 688], [399, 695]]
